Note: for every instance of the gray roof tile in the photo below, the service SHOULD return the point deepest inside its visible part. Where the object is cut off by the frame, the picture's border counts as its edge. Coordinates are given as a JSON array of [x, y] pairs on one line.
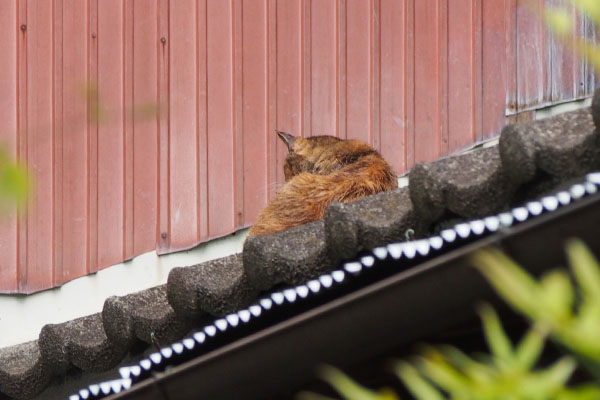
[[566, 145], [291, 256], [22, 370], [217, 287], [142, 315], [369, 222], [471, 185], [81, 342]]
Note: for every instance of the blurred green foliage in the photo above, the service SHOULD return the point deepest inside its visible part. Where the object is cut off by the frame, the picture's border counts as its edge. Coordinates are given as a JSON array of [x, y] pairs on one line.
[[15, 183], [566, 311], [572, 317], [99, 112], [560, 21]]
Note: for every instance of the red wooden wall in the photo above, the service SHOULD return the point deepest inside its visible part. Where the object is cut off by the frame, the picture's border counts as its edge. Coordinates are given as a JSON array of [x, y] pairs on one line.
[[149, 124]]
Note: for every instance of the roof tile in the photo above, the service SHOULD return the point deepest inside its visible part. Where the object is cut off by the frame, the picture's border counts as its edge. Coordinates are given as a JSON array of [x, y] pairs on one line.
[[22, 370], [369, 222], [217, 287], [143, 314], [471, 185], [566, 145], [291, 256], [81, 342]]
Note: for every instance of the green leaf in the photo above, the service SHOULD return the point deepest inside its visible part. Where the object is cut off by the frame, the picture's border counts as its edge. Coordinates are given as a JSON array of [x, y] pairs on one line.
[[312, 396], [497, 340], [417, 385], [530, 348], [350, 389], [584, 392], [587, 325], [557, 295], [557, 375], [436, 368], [515, 285], [585, 268], [478, 372]]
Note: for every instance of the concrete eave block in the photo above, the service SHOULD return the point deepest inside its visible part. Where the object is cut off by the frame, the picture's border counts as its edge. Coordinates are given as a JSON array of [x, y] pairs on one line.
[[471, 185], [143, 315], [217, 287], [292, 256], [81, 342], [23, 373], [369, 222], [564, 146]]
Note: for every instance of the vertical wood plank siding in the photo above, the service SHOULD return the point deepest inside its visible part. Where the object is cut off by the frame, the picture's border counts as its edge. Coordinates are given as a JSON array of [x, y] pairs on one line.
[[148, 124]]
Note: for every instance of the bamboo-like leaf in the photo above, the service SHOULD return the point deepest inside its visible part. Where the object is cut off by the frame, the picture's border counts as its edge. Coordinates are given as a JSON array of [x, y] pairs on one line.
[[558, 296], [478, 372], [312, 396], [585, 268], [587, 323], [530, 348], [497, 339], [515, 285], [350, 389], [556, 375], [436, 368], [585, 392], [417, 385]]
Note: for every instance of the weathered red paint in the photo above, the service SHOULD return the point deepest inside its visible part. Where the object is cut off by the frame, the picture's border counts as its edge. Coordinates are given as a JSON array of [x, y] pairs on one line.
[[109, 146], [190, 92], [429, 79], [358, 79], [144, 186], [37, 149], [496, 89], [9, 128], [255, 111], [533, 57], [464, 77], [396, 77]]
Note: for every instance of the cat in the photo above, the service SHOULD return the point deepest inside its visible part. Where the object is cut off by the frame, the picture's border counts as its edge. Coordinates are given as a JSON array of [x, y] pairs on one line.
[[318, 171]]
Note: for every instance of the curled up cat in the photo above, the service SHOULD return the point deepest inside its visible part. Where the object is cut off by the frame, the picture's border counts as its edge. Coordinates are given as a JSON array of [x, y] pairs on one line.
[[318, 171]]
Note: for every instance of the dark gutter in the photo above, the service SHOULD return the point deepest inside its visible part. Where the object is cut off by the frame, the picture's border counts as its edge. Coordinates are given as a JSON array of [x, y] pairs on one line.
[[435, 294]]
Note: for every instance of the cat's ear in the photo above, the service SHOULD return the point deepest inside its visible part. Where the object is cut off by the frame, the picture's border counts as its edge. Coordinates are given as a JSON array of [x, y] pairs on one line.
[[287, 138]]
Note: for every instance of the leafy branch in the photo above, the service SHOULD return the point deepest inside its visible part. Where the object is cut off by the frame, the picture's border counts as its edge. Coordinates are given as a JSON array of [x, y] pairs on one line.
[[568, 314]]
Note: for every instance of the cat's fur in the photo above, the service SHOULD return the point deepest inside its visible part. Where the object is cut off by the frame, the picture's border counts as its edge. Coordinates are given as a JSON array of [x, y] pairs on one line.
[[318, 171]]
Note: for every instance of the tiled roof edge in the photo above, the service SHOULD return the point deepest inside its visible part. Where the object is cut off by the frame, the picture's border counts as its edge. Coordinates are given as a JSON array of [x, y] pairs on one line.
[[421, 249], [469, 186]]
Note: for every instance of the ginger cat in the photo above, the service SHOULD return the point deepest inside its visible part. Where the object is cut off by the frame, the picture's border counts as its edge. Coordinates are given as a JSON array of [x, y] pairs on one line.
[[318, 171]]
